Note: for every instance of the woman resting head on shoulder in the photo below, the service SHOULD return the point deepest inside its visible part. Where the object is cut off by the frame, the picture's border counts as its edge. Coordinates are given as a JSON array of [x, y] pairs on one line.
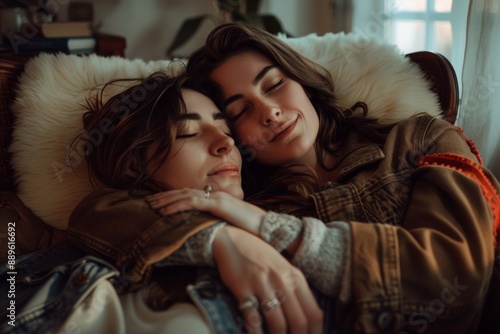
[[414, 197], [161, 135], [282, 108]]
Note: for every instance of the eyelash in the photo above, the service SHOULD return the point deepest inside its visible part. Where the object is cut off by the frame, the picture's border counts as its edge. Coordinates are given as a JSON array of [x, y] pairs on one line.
[[186, 136], [272, 88], [191, 135]]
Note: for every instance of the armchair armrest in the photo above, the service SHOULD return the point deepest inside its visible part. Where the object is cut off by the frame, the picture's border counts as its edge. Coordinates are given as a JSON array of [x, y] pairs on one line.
[[439, 71]]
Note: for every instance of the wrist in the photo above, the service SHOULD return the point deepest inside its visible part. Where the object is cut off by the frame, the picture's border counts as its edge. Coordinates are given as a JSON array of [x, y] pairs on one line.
[[281, 231], [294, 245]]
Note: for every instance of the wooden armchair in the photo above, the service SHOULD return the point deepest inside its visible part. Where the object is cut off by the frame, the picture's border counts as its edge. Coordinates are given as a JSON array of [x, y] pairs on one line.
[[439, 71]]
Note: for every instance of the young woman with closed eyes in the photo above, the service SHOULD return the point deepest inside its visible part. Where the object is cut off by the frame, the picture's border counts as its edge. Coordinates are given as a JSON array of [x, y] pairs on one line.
[[416, 214], [176, 138]]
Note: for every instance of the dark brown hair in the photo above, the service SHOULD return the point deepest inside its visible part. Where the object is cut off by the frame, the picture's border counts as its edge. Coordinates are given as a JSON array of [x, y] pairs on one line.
[[120, 132], [335, 122]]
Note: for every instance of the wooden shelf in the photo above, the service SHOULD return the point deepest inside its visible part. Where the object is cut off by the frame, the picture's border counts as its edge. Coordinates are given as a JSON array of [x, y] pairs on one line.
[[106, 45]]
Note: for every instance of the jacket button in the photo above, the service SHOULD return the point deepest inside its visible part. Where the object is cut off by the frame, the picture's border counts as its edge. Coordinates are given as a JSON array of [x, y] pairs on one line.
[[385, 320], [81, 279]]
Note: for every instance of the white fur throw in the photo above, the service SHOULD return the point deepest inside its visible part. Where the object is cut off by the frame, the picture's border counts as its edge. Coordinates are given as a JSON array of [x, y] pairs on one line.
[[370, 71], [53, 88]]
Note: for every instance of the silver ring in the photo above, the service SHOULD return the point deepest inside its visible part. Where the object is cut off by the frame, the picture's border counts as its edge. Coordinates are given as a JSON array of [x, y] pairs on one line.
[[269, 305], [249, 304], [208, 190]]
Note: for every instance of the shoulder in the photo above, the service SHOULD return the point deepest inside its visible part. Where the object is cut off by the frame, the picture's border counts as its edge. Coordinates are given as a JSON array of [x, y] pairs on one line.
[[424, 121], [112, 196], [425, 127], [109, 202], [428, 135]]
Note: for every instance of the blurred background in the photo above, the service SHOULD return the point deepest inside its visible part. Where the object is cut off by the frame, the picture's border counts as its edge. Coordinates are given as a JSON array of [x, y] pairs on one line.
[[150, 26], [465, 31]]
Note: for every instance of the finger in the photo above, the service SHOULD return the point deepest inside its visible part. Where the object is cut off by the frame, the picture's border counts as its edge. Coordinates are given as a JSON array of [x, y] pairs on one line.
[[272, 311], [173, 198], [310, 312], [166, 197], [185, 204], [252, 317], [295, 318], [313, 312]]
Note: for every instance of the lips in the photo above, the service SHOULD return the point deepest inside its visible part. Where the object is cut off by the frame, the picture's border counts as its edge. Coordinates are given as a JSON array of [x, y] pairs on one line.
[[227, 169], [284, 130]]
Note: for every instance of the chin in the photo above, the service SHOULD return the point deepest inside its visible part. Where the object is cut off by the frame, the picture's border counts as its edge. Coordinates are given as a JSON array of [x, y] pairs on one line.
[[235, 191]]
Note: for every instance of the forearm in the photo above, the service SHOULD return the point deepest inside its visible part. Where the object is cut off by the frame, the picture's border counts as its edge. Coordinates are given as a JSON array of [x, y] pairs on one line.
[[197, 250], [124, 230]]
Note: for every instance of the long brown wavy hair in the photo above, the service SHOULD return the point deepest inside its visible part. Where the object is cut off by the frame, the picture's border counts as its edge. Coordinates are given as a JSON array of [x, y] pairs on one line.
[[267, 185], [119, 132]]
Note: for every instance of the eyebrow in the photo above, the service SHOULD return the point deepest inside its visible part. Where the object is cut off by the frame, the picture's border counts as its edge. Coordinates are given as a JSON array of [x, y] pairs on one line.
[[257, 78], [196, 117]]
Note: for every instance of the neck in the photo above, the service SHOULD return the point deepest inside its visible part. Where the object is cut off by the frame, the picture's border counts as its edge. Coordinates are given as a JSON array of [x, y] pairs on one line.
[[310, 159]]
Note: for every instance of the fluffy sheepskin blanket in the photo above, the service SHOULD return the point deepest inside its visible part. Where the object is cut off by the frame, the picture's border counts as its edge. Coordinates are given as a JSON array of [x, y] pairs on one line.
[[53, 90], [371, 71]]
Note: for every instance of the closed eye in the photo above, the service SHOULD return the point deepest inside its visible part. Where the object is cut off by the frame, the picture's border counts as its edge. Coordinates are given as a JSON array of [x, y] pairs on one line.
[[275, 86], [190, 135], [238, 115]]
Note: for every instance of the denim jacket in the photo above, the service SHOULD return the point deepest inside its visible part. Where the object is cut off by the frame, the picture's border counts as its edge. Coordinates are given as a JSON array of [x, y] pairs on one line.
[[44, 286]]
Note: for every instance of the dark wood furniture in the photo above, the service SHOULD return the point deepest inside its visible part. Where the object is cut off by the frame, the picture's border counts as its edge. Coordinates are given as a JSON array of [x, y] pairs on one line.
[[440, 73]]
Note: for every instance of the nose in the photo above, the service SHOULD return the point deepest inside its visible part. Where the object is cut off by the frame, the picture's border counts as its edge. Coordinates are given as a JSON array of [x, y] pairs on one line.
[[269, 113], [222, 144]]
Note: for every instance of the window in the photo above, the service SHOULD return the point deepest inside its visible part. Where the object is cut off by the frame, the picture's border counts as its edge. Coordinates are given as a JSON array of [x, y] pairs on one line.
[[416, 25]]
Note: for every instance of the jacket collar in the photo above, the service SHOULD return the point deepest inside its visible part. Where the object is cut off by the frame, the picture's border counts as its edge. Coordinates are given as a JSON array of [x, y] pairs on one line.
[[357, 153]]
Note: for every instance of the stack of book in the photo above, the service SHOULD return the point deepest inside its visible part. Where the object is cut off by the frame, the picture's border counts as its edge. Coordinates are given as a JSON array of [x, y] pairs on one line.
[[70, 37]]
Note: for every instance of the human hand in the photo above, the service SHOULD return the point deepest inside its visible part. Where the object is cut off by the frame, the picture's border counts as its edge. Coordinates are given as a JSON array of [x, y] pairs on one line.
[[229, 208], [252, 269]]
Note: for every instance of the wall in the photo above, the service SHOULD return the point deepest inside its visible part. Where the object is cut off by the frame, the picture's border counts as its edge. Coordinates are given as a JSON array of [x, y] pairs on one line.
[[150, 25]]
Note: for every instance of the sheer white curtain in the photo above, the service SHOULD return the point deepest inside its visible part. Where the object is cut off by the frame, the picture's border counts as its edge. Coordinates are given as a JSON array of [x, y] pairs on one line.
[[480, 105]]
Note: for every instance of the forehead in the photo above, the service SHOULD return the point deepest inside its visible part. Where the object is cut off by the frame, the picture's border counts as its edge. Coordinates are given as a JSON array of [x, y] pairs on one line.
[[198, 103], [242, 66]]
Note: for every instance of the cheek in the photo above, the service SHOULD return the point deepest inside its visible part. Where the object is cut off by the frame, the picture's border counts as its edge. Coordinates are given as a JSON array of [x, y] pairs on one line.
[[180, 171], [253, 135]]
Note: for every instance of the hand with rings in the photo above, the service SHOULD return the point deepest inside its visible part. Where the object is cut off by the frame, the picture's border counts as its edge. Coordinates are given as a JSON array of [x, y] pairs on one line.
[[172, 201], [272, 294], [222, 205], [251, 303]]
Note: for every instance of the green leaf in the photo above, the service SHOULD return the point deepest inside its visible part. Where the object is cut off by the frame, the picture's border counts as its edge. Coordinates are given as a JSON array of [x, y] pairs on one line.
[[188, 28]]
